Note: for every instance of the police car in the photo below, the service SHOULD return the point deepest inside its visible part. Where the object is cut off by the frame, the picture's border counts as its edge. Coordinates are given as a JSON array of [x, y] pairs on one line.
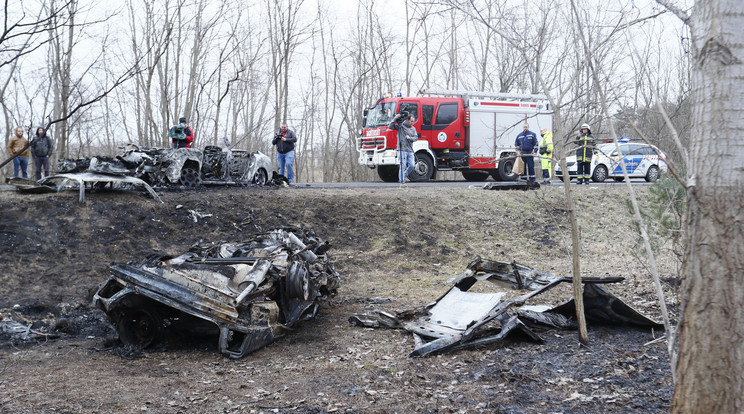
[[641, 161]]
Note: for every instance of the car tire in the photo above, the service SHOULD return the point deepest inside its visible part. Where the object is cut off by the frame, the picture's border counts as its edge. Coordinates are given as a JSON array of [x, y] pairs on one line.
[[600, 174], [189, 177], [474, 175], [260, 177], [652, 174], [140, 328], [388, 173], [423, 167]]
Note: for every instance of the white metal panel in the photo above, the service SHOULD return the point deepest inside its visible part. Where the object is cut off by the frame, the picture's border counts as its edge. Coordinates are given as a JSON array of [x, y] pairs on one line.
[[494, 125], [458, 309], [481, 134]]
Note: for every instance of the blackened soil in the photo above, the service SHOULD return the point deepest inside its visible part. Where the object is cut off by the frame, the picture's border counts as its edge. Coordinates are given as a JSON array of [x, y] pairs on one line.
[[394, 248]]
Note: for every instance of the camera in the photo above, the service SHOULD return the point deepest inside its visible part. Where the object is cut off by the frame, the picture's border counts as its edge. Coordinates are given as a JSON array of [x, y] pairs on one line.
[[402, 116]]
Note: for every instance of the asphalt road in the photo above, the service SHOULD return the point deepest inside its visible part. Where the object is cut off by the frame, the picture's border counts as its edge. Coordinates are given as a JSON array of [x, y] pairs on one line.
[[461, 183], [430, 184]]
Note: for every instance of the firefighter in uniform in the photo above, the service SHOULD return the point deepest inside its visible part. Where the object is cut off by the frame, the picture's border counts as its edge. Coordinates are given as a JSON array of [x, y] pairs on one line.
[[546, 155], [526, 144], [584, 154]]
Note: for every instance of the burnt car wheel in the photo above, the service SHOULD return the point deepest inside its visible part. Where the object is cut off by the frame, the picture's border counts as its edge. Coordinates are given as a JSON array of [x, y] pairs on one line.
[[298, 283], [140, 327], [189, 177], [260, 177]]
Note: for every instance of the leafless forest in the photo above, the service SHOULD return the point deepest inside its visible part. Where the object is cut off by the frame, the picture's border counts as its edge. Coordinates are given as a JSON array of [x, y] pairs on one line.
[[665, 71], [107, 76]]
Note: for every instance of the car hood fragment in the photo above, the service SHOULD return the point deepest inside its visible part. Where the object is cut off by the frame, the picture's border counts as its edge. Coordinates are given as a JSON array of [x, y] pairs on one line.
[[474, 313], [249, 292]]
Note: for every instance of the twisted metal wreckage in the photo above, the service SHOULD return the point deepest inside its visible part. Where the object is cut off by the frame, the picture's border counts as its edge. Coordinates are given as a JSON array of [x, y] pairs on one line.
[[471, 314], [145, 167], [249, 293]]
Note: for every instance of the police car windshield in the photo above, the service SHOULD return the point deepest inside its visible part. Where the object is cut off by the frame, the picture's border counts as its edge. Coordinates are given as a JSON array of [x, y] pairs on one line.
[[380, 115]]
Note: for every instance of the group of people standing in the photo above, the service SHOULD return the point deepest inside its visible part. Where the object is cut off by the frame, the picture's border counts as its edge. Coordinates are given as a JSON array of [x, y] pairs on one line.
[[41, 149], [527, 146], [181, 135]]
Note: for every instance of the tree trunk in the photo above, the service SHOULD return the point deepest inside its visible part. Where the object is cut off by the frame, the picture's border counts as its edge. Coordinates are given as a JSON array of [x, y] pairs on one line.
[[710, 367]]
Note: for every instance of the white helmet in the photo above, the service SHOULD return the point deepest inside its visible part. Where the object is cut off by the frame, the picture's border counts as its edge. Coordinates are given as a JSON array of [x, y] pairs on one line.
[[585, 126]]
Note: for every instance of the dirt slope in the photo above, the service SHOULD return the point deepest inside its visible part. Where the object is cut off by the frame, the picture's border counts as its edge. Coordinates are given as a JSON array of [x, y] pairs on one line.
[[394, 248]]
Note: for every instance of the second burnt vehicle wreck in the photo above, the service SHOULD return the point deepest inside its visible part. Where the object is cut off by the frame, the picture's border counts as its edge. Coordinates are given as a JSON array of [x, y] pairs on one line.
[[247, 293], [185, 167], [474, 313]]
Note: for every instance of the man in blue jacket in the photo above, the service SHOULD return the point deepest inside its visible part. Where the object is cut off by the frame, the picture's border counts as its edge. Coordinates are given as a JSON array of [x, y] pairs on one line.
[[526, 144]]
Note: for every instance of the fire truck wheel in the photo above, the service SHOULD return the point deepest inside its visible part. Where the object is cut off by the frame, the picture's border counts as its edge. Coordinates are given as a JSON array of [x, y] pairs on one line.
[[388, 173], [505, 170], [423, 168], [474, 175]]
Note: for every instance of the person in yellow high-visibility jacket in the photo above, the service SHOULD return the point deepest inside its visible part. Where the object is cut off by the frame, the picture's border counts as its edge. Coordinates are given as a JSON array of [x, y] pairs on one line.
[[546, 155]]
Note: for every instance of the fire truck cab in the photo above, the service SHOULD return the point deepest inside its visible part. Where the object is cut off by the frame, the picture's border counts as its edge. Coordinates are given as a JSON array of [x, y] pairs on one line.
[[470, 132]]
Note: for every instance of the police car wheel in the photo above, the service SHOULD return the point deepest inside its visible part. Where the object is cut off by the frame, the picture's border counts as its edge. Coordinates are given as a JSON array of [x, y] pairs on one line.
[[600, 174], [652, 174]]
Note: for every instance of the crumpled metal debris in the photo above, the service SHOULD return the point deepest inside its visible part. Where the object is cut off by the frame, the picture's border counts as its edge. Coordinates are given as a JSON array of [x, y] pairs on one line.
[[248, 293], [22, 332], [470, 314]]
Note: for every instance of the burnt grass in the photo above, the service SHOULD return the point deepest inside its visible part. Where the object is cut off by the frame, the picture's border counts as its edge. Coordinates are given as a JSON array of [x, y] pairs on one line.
[[395, 249]]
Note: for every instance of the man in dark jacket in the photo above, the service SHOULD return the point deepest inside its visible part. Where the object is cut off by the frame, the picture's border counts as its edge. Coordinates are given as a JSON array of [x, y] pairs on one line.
[[41, 149], [285, 140], [584, 154], [526, 144]]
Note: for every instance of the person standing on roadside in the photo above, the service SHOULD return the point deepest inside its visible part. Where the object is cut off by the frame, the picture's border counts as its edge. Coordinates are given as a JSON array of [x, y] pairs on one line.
[[188, 131], [285, 140], [17, 143], [407, 135], [546, 155], [584, 154], [41, 149], [526, 144]]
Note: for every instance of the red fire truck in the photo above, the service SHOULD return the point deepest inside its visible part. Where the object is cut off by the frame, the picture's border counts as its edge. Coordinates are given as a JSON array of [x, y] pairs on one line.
[[470, 132]]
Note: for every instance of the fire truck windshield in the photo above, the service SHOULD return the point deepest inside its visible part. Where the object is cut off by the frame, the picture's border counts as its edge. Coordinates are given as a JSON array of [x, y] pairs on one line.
[[381, 114]]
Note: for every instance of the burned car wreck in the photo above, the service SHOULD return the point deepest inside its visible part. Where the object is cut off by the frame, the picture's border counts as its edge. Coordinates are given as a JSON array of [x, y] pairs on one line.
[[187, 167], [472, 313], [248, 293]]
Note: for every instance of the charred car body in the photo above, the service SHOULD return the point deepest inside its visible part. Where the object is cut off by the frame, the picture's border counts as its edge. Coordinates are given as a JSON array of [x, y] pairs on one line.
[[472, 313], [249, 293], [188, 167]]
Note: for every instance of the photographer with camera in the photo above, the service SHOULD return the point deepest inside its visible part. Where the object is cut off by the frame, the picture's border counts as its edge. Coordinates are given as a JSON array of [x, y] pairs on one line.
[[407, 135], [285, 140]]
